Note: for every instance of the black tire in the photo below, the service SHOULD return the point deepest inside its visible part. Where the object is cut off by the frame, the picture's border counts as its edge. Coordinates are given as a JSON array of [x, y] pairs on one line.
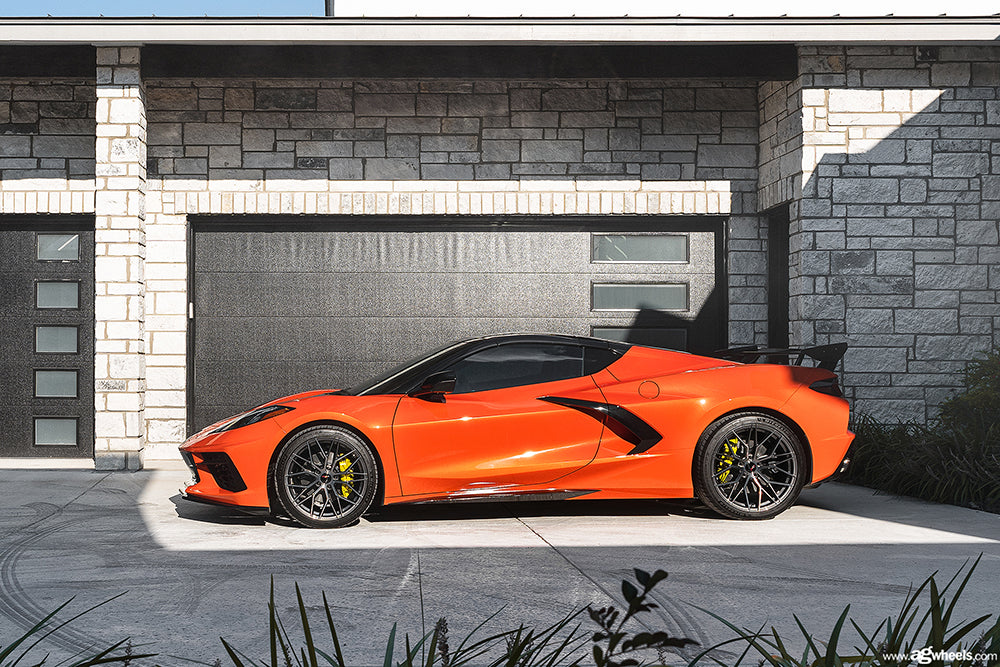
[[326, 476], [749, 465]]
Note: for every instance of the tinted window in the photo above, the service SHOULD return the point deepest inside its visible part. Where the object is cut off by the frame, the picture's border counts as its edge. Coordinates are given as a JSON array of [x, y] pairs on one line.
[[517, 364], [596, 359]]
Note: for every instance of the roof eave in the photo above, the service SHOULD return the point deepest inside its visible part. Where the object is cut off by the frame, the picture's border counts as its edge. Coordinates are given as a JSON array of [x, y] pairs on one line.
[[410, 31]]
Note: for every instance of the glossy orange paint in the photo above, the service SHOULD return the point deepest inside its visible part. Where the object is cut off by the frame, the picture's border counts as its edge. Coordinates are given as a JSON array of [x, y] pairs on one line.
[[506, 441]]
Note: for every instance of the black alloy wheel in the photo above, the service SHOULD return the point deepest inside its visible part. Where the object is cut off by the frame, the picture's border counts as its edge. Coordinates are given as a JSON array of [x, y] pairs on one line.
[[749, 465], [326, 477]]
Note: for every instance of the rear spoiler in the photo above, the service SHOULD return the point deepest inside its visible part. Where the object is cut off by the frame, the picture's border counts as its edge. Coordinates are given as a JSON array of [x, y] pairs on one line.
[[828, 356]]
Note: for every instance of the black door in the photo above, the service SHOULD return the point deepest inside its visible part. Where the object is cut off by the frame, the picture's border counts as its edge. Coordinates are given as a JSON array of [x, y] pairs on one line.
[[47, 337], [282, 306]]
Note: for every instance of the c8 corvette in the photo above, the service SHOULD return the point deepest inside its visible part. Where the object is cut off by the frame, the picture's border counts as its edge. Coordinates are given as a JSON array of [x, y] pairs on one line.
[[535, 417]]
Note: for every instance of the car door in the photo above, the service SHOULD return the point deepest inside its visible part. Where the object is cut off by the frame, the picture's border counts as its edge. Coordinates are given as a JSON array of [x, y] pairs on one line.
[[493, 432]]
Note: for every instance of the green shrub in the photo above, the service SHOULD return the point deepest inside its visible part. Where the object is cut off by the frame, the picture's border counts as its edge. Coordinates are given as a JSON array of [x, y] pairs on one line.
[[954, 459]]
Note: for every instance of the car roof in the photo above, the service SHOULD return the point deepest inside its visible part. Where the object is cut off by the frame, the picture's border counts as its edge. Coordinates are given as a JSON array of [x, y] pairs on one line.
[[550, 338]]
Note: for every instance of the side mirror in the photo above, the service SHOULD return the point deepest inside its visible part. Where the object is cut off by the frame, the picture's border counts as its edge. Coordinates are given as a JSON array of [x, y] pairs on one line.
[[435, 387]]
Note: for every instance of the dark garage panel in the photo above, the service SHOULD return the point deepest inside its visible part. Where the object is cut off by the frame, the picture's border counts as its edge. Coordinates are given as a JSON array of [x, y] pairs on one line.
[[20, 271], [282, 308]]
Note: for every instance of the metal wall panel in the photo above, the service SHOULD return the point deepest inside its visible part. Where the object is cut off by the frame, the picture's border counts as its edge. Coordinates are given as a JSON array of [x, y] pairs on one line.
[[286, 308]]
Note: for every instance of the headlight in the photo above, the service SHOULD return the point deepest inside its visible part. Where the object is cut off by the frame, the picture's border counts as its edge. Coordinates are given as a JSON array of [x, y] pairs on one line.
[[254, 416]]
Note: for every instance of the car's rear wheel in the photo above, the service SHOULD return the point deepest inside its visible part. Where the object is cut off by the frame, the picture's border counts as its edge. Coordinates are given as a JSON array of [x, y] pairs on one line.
[[749, 465], [326, 477]]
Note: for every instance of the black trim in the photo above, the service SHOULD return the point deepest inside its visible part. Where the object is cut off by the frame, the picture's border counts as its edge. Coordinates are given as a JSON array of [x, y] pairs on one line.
[[190, 237], [828, 356], [626, 425], [436, 61], [189, 462], [453, 223], [223, 471], [508, 497], [777, 276], [215, 503], [49, 61]]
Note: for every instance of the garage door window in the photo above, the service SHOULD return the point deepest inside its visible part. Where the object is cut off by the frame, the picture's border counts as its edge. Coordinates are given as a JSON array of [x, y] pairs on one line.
[[635, 297], [516, 365], [639, 248], [59, 431], [56, 340], [57, 294], [56, 384], [58, 247]]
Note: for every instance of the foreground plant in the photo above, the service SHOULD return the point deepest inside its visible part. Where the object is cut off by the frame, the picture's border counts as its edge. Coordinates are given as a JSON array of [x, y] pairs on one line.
[[554, 646], [614, 646], [18, 651], [912, 637]]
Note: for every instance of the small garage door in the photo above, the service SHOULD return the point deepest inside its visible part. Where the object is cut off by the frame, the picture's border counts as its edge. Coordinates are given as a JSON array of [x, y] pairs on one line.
[[47, 337], [282, 308]]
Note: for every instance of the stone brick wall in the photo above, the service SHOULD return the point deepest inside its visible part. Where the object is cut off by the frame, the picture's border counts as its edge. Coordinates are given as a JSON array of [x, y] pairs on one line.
[[452, 130], [120, 222], [894, 241], [779, 175], [47, 145]]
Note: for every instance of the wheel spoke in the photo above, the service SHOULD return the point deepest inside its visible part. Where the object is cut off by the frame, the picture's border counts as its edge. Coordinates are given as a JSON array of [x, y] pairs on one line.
[[776, 455], [738, 488], [305, 460], [305, 491], [760, 482]]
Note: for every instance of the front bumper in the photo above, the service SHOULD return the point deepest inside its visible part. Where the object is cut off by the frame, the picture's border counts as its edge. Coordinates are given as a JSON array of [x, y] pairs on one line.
[[230, 468]]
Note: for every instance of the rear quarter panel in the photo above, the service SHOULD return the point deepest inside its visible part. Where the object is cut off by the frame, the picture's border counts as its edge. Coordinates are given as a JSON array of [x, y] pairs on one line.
[[680, 406]]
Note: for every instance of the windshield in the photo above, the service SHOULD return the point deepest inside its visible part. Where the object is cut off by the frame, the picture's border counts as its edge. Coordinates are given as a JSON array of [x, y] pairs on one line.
[[390, 381]]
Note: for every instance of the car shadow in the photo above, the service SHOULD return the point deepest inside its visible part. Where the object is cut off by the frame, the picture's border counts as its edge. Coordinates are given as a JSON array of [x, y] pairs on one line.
[[457, 511], [216, 514]]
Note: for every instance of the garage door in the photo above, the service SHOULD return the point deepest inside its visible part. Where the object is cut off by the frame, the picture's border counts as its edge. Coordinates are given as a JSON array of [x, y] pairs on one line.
[[281, 308], [47, 338]]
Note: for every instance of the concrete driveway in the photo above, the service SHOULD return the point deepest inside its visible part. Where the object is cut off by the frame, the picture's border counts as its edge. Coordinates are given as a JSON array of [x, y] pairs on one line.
[[193, 572]]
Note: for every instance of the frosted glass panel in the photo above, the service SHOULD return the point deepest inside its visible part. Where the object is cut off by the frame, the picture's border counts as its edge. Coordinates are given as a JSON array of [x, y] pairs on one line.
[[56, 339], [640, 297], [55, 431], [64, 247], [55, 384], [639, 248], [58, 295]]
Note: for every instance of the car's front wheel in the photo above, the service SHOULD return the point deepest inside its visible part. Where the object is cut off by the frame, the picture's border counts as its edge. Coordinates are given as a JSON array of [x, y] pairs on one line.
[[326, 477], [749, 465]]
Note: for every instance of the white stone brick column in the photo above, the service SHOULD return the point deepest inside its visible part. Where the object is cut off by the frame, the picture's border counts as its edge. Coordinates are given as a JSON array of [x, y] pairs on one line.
[[120, 215]]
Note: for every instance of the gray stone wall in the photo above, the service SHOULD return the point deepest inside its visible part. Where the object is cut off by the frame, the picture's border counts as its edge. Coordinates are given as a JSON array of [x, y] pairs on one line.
[[453, 130], [894, 240], [46, 133], [779, 175]]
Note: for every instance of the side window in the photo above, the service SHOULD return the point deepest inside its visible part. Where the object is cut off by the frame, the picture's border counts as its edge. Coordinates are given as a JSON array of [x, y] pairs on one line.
[[517, 364], [596, 359]]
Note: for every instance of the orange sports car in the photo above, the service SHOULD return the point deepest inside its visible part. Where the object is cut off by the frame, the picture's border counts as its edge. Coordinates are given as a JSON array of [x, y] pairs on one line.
[[522, 417]]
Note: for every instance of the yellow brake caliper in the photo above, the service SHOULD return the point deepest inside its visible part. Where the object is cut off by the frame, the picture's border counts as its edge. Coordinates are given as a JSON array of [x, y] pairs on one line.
[[728, 451], [345, 479]]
